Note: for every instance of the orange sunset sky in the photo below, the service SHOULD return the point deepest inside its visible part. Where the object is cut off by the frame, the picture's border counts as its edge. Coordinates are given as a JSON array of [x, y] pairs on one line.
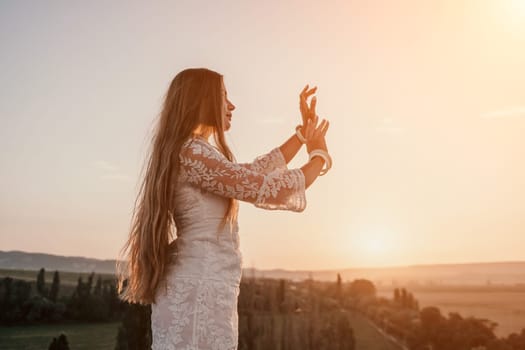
[[426, 101]]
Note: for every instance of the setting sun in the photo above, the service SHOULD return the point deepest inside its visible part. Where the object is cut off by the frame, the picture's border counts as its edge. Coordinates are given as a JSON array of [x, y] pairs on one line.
[[375, 245]]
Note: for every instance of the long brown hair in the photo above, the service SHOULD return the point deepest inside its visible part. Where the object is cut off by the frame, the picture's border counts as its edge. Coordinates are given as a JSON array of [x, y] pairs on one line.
[[193, 101]]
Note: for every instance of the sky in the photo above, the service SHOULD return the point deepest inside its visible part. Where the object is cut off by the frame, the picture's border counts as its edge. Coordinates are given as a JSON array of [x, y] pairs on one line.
[[426, 102]]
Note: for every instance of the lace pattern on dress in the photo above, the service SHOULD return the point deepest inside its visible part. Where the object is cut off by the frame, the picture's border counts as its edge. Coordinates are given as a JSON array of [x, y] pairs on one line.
[[267, 163], [198, 308], [204, 166], [196, 315]]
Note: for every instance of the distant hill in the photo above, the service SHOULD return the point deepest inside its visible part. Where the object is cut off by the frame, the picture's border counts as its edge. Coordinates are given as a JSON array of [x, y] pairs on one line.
[[489, 273], [17, 260], [508, 273]]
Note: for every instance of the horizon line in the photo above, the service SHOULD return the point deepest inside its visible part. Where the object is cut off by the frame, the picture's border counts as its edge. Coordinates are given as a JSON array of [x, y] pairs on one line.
[[306, 270]]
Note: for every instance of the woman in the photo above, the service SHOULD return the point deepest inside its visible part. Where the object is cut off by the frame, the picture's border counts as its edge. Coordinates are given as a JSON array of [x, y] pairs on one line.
[[191, 191]]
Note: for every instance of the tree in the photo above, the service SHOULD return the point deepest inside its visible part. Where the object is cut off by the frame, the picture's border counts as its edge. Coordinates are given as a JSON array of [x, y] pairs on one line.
[[397, 296], [430, 317], [339, 289], [98, 287], [41, 282], [59, 344], [335, 333], [362, 288], [281, 295], [90, 283], [404, 297], [55, 286], [135, 332], [13, 295]]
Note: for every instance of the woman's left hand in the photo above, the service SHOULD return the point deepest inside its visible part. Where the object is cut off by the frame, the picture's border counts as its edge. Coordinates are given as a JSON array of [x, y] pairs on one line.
[[307, 112]]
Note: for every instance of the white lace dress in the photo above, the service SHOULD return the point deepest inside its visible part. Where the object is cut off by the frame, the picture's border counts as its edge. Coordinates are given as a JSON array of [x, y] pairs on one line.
[[198, 309]]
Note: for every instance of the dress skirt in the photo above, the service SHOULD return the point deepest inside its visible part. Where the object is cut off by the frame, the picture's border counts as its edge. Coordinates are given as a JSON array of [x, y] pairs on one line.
[[195, 314]]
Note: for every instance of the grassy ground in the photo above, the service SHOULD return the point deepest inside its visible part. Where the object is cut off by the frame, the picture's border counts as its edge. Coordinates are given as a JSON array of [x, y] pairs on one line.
[[102, 336], [66, 277], [81, 336]]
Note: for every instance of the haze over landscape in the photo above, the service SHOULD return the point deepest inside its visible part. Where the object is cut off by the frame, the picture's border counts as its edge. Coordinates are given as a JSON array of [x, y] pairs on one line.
[[425, 99]]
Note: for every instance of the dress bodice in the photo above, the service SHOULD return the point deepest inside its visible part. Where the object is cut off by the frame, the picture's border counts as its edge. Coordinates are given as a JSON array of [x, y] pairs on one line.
[[204, 250], [206, 181]]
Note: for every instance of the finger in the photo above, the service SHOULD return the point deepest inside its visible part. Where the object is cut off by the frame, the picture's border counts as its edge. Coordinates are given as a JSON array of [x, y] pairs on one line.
[[314, 121], [321, 125], [303, 106], [319, 129], [312, 105], [310, 92], [310, 129], [308, 133], [304, 90], [307, 126], [325, 129]]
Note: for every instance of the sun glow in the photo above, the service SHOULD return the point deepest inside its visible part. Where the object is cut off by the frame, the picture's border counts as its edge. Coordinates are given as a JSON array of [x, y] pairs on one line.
[[374, 245]]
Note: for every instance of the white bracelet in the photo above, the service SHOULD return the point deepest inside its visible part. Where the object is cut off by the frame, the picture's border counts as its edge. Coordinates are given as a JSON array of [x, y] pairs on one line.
[[299, 134], [326, 157]]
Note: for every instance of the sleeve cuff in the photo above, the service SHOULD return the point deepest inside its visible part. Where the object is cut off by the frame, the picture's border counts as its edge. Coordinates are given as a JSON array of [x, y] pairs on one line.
[[278, 159]]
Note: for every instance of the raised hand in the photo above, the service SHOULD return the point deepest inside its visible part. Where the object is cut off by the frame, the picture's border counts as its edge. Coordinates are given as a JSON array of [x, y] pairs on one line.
[[307, 112], [316, 146], [315, 134]]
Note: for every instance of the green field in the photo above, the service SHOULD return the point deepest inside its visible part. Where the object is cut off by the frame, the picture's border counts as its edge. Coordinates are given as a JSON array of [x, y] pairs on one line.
[[66, 277], [102, 336], [81, 336]]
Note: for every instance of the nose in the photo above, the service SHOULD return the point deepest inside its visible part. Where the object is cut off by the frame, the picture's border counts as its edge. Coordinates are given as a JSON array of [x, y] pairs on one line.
[[231, 106]]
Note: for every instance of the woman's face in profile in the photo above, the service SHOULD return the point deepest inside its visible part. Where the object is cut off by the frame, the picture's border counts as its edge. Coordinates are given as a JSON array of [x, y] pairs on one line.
[[227, 108]]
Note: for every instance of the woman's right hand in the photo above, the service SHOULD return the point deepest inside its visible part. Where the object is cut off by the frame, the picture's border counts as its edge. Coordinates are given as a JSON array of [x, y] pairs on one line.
[[315, 134], [315, 139]]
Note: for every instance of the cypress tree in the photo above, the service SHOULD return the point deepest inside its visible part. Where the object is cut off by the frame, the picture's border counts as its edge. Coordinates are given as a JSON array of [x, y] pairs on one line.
[[55, 286], [41, 282], [90, 283], [397, 296], [339, 289], [98, 287], [404, 297]]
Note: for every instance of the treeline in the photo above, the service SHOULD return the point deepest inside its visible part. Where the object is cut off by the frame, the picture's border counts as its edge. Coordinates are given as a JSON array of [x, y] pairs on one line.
[[426, 328], [281, 315], [91, 301], [273, 314]]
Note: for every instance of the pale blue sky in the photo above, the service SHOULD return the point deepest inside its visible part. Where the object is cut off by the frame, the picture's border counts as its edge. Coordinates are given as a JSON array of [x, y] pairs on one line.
[[426, 103]]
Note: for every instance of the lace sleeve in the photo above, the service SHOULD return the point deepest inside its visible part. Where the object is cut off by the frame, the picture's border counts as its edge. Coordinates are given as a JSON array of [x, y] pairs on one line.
[[267, 163], [205, 167]]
